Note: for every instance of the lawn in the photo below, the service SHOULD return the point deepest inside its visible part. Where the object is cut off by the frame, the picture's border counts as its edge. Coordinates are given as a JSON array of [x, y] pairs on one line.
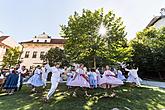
[[126, 98]]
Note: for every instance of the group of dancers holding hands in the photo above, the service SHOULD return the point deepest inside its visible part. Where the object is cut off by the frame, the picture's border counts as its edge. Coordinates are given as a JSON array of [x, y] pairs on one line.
[[78, 76]]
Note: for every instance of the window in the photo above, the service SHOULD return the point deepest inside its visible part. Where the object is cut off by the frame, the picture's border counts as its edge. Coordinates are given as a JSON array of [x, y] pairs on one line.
[[42, 54], [27, 54], [34, 54]]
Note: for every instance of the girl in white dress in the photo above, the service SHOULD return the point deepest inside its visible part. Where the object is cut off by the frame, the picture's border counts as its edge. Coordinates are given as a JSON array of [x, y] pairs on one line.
[[109, 79]]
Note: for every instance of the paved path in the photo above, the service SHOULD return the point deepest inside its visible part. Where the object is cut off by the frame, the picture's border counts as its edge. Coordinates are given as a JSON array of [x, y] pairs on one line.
[[154, 83]]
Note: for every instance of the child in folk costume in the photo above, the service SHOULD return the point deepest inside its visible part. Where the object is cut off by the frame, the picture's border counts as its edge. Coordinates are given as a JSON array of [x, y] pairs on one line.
[[92, 78], [80, 79], [109, 79], [55, 79], [36, 80], [133, 76]]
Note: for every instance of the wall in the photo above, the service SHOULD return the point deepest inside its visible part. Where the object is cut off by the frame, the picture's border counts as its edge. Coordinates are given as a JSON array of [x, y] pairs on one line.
[[160, 23], [10, 42], [2, 53], [35, 47]]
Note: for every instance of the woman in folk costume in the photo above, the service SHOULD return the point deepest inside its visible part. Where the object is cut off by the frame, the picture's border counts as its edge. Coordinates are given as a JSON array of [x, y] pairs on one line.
[[109, 79], [133, 76], [36, 80], [21, 71], [98, 75], [11, 82], [120, 75], [80, 80], [70, 75]]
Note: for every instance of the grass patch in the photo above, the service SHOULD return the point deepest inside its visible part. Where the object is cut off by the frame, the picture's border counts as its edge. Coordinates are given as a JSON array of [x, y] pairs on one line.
[[126, 98]]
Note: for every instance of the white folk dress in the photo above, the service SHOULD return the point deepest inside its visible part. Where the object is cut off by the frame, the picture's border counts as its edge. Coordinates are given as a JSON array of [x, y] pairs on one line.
[[36, 79], [109, 78], [80, 79]]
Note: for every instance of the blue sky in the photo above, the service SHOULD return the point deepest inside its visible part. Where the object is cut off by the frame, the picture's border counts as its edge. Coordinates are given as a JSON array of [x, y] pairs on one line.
[[23, 19]]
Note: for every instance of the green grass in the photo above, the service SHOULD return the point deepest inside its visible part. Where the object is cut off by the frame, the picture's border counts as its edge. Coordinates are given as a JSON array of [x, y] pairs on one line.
[[126, 98]]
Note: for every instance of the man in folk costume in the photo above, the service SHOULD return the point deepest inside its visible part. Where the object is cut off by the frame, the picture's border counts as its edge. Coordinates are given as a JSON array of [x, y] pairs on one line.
[[55, 79], [133, 76]]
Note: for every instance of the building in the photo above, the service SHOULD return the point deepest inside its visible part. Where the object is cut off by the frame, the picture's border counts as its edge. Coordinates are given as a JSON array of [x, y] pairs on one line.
[[158, 21], [6, 42], [33, 50]]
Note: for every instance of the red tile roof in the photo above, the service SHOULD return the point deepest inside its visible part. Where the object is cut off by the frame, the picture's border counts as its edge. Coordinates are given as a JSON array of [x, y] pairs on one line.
[[3, 38], [52, 41]]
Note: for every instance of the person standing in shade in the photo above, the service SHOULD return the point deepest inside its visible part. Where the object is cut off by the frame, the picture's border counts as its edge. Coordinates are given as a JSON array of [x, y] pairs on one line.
[[21, 71], [55, 79], [45, 70]]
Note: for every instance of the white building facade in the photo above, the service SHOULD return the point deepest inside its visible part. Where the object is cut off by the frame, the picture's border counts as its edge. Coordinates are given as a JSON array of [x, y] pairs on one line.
[[33, 50], [158, 21]]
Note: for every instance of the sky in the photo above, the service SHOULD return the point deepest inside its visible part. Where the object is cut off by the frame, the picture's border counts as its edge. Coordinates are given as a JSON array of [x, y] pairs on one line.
[[24, 19]]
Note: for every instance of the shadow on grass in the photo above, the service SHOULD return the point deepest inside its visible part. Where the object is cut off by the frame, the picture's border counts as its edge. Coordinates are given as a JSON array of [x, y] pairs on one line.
[[126, 98]]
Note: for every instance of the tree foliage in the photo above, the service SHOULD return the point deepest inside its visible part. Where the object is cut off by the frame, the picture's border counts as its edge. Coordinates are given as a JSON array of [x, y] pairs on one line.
[[55, 55], [84, 42], [11, 57], [149, 51]]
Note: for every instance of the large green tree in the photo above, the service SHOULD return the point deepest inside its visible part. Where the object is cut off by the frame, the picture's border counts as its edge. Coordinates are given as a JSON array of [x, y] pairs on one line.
[[11, 57], [84, 43], [56, 55], [149, 52]]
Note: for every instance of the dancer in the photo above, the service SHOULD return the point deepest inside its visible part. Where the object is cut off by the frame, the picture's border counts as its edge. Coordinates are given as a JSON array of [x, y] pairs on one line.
[[55, 79], [36, 80], [11, 82], [80, 80], [70, 75], [98, 76], [120, 75], [93, 78], [109, 80], [45, 70], [20, 71], [133, 76]]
